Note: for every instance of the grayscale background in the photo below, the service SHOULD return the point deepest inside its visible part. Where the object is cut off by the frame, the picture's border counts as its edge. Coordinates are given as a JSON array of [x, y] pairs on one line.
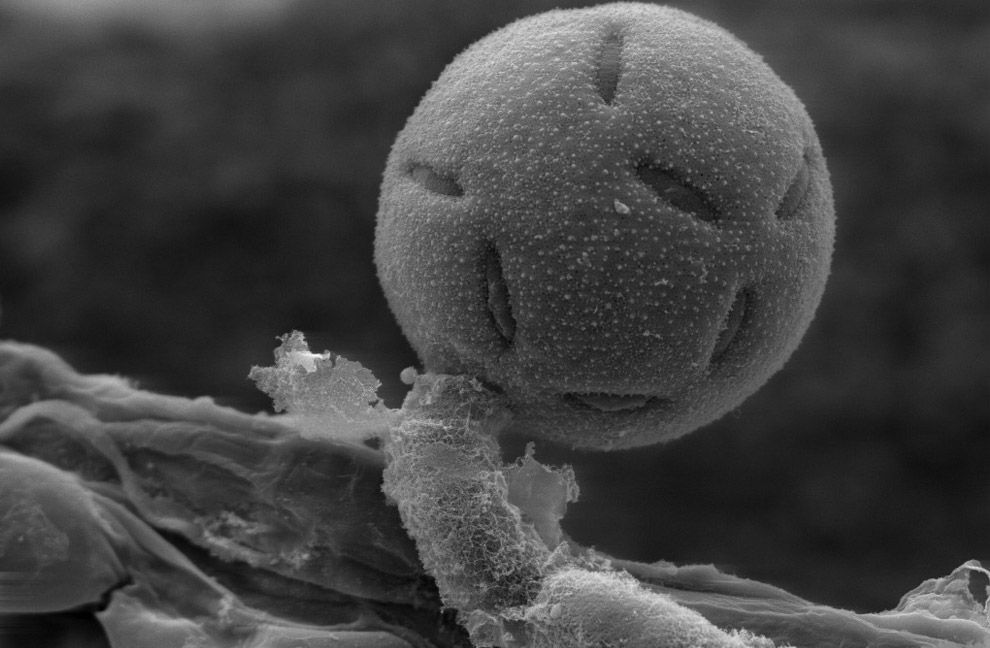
[[179, 184]]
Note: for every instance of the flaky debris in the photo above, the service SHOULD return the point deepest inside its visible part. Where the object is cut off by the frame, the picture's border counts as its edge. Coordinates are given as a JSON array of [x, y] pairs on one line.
[[328, 395]]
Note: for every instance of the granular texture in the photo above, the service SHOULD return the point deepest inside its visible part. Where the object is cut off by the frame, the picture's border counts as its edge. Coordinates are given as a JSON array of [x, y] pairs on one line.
[[619, 216]]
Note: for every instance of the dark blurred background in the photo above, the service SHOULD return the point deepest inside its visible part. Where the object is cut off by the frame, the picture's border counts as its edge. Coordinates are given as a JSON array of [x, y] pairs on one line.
[[180, 186]]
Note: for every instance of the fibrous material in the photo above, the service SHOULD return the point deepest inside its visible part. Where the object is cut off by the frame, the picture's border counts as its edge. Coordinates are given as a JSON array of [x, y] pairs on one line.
[[194, 522]]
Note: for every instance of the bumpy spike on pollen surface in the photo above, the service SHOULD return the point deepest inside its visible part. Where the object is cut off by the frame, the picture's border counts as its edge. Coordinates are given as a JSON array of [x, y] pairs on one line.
[[528, 143]]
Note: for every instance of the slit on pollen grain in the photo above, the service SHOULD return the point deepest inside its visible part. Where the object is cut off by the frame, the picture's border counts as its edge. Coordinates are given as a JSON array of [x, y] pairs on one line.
[[794, 199], [609, 65], [431, 180], [673, 190], [734, 322], [497, 296]]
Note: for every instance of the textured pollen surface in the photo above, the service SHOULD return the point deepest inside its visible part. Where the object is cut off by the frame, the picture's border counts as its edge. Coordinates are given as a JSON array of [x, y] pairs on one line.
[[619, 216]]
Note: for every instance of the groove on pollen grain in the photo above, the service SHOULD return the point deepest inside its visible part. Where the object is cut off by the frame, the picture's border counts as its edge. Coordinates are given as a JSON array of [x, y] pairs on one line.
[[427, 177], [735, 321], [497, 296], [609, 65], [796, 194], [672, 189]]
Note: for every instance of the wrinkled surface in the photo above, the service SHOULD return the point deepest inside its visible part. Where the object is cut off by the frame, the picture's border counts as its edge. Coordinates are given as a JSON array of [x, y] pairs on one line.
[[489, 534], [173, 565], [925, 617], [291, 536], [444, 473], [618, 215], [584, 609], [963, 594]]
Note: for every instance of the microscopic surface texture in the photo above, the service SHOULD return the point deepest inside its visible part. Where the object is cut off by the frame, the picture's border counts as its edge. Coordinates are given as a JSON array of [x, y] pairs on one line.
[[618, 216]]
